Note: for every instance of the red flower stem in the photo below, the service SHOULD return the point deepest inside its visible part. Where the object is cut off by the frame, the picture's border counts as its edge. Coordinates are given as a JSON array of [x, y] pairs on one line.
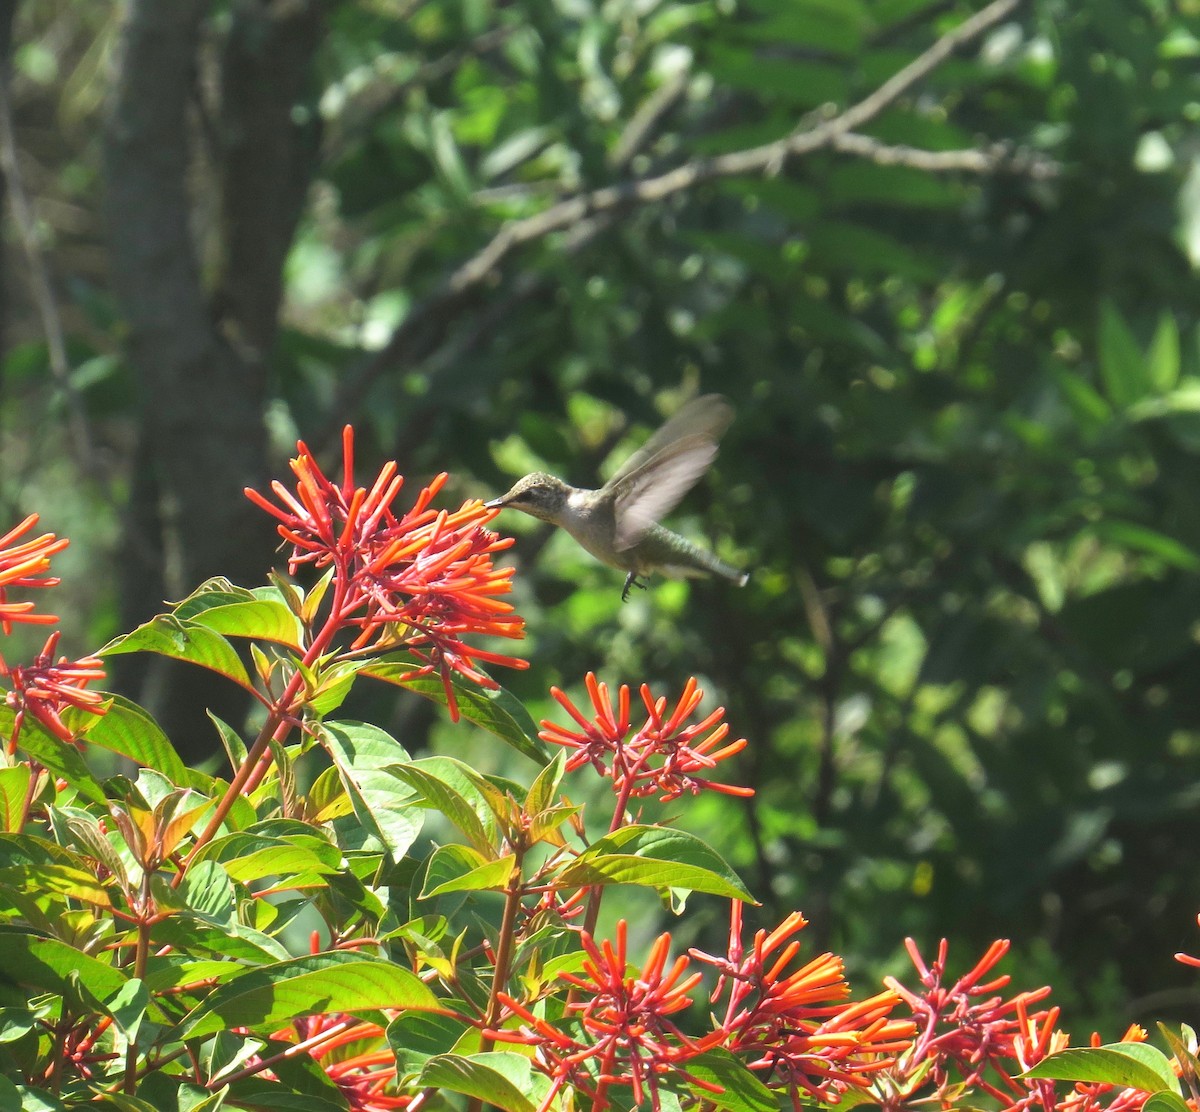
[[140, 958], [596, 892], [505, 944]]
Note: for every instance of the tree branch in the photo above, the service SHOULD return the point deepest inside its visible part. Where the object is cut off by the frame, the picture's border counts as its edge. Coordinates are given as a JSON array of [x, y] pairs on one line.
[[999, 158], [430, 320]]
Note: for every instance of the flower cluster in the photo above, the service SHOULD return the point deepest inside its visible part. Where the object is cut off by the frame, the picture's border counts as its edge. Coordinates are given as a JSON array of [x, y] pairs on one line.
[[662, 755], [969, 1035], [24, 565], [46, 688], [619, 1031], [422, 580], [355, 1055], [797, 1029]]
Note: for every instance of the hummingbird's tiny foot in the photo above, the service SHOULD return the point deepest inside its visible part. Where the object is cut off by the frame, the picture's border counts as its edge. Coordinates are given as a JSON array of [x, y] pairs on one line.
[[631, 580]]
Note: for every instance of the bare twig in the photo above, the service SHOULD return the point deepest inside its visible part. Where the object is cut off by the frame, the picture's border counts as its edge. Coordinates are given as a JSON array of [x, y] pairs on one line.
[[994, 159], [430, 321], [42, 286]]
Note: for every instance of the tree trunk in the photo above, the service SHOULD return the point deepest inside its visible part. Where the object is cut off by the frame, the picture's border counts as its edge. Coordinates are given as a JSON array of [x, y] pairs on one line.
[[201, 363]]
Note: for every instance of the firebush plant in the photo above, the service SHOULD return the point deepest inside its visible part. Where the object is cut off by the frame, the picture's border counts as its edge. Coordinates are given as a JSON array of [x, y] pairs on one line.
[[149, 921]]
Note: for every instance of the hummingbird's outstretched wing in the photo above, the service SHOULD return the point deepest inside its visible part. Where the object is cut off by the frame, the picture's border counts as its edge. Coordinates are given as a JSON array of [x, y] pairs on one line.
[[667, 466]]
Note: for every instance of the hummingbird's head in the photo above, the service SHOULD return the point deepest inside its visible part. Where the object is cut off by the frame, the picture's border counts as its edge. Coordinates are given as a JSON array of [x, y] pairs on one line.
[[538, 494]]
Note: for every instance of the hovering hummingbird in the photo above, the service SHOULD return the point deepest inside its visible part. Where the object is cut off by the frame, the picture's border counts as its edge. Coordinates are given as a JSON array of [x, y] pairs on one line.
[[618, 524]]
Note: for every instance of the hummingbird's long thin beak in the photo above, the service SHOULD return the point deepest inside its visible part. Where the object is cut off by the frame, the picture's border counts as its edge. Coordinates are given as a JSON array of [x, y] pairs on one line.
[[494, 504]]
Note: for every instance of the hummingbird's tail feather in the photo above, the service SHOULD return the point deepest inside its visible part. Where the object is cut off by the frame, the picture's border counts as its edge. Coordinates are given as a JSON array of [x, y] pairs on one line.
[[673, 555]]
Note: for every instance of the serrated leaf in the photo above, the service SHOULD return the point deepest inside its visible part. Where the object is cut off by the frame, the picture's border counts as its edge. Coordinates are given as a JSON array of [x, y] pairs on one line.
[[460, 869], [127, 729], [270, 997], [657, 858], [169, 636], [1126, 1065]]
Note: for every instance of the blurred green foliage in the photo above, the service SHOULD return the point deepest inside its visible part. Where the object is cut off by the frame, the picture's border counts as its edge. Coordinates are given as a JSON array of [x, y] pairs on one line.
[[966, 462]]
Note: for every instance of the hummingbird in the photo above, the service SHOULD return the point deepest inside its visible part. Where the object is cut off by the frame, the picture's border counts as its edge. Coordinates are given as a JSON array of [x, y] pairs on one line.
[[618, 524]]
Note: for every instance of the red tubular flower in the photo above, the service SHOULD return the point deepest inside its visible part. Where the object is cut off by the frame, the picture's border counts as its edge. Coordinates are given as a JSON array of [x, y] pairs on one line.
[[623, 1035], [1187, 959], [355, 1055], [798, 1027], [23, 565], [421, 581], [663, 755], [968, 1035], [44, 689]]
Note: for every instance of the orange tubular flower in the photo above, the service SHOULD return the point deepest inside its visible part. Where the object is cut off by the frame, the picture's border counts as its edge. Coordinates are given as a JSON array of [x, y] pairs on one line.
[[44, 689], [22, 566], [663, 755], [355, 1055], [421, 581], [798, 1027], [623, 1035]]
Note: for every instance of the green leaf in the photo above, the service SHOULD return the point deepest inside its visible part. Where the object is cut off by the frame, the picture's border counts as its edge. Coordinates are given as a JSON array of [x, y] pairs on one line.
[[415, 1037], [383, 805], [656, 858], [1141, 538], [262, 619], [1123, 369], [127, 729], [128, 1006], [436, 786], [64, 880], [60, 757], [1166, 1102], [194, 935], [249, 856], [500, 1078], [14, 783], [460, 869], [1126, 1065], [743, 1091], [183, 640], [270, 997], [498, 712], [1163, 358], [52, 966]]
